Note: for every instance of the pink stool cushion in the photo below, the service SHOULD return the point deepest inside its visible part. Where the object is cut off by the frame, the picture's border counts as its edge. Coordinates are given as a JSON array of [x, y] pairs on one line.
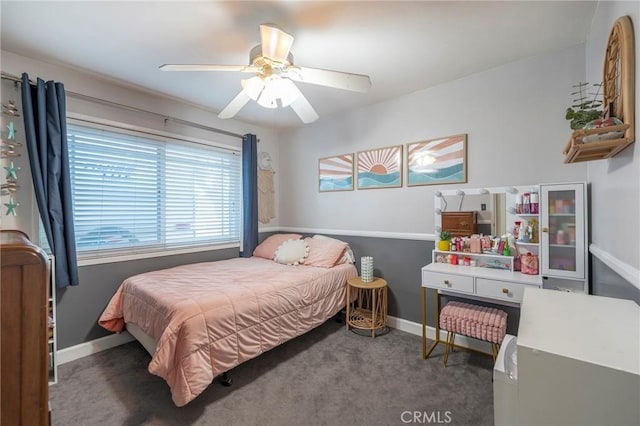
[[480, 322]]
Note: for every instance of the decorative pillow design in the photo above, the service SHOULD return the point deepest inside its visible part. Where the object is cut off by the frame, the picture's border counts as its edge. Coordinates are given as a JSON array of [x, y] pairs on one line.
[[347, 257], [268, 247], [292, 252], [325, 252]]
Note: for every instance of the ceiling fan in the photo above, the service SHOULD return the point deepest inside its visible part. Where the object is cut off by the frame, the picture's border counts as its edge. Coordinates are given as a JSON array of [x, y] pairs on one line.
[[275, 73]]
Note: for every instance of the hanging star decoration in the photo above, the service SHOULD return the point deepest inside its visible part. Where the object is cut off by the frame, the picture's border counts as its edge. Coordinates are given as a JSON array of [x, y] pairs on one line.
[[11, 207], [11, 132], [12, 171]]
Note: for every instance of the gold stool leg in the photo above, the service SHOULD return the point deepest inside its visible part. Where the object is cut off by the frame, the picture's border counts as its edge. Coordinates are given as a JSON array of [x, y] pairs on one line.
[[447, 347]]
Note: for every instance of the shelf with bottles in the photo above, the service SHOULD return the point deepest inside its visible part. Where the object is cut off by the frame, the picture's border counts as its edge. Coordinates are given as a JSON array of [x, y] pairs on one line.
[[491, 260], [571, 246], [527, 204], [526, 215], [526, 244]]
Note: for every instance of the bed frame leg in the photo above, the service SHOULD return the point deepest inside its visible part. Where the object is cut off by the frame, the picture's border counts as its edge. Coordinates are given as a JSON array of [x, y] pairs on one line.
[[225, 380]]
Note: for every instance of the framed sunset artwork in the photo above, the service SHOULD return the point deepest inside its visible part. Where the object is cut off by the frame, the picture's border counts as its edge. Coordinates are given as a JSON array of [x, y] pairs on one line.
[[335, 173], [380, 168], [437, 161]]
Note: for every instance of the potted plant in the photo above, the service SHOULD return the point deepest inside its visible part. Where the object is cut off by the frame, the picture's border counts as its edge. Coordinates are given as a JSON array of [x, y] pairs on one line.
[[445, 241], [584, 109]]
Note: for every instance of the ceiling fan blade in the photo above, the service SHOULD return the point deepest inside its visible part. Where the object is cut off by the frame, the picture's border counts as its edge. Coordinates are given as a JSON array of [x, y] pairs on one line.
[[235, 105], [205, 67], [303, 108], [337, 79], [276, 43]]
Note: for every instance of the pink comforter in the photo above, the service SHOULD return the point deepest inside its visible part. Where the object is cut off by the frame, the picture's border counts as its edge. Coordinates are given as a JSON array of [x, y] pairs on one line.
[[209, 317]]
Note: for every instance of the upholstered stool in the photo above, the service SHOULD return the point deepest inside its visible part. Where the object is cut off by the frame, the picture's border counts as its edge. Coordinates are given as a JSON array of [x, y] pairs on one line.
[[479, 322]]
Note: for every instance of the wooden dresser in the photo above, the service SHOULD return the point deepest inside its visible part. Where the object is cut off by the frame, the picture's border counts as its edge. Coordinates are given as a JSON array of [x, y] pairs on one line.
[[460, 224], [24, 377]]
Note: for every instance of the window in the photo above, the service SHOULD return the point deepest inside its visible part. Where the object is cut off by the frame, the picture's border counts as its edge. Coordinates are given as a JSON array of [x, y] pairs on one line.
[[133, 192]]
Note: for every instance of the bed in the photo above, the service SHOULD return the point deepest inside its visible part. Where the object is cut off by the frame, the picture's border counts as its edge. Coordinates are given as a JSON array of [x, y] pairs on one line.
[[200, 320]]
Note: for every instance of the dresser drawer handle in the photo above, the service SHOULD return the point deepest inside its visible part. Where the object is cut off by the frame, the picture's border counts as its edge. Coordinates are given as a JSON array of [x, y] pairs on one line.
[[505, 290], [446, 282]]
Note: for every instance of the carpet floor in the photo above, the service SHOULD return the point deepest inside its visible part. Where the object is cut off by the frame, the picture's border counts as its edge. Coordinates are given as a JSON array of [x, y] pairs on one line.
[[329, 376]]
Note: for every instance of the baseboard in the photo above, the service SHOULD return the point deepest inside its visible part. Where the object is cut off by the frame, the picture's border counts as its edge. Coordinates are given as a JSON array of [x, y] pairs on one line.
[[103, 343], [94, 346], [416, 328]]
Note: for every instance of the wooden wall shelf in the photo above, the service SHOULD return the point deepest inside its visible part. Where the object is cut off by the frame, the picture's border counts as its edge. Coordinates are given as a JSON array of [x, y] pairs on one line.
[[619, 99], [577, 150]]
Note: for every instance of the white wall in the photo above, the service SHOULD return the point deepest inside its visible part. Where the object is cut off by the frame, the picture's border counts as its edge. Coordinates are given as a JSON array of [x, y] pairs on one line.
[[514, 118], [97, 86], [615, 183]]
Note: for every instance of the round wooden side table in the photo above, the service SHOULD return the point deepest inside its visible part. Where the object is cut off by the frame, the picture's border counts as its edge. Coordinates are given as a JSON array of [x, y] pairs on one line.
[[367, 304]]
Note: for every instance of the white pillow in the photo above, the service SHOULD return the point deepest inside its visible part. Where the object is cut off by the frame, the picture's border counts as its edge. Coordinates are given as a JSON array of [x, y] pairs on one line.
[[292, 252], [347, 257]]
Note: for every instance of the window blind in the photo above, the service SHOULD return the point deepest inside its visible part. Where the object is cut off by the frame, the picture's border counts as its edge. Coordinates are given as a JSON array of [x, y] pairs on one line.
[[133, 191]]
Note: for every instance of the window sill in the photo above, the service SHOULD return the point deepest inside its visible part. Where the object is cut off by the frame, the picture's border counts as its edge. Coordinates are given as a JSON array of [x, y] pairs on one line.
[[93, 259]]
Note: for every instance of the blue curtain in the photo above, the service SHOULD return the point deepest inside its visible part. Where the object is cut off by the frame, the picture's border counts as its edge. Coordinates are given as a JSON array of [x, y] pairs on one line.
[[45, 124], [249, 194]]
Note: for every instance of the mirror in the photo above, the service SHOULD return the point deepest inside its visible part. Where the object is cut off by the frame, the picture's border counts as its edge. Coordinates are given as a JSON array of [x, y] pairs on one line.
[[468, 211]]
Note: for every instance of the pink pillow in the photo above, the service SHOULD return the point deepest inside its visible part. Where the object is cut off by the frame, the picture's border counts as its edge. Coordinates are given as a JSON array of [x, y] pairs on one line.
[[268, 247], [324, 253]]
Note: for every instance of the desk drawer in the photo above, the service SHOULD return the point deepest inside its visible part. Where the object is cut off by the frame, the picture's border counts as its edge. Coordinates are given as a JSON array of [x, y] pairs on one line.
[[447, 281], [500, 290]]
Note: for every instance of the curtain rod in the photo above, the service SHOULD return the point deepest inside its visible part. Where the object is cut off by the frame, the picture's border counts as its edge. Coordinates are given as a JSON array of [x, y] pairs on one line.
[[166, 118]]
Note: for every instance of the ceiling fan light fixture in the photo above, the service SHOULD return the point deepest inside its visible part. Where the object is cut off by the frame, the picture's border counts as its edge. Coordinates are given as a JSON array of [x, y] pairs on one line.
[[268, 96], [253, 87], [275, 76], [286, 90], [276, 43]]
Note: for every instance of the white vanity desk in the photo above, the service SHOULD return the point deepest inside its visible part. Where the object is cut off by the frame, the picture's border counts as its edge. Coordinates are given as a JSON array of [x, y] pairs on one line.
[[561, 226], [490, 285]]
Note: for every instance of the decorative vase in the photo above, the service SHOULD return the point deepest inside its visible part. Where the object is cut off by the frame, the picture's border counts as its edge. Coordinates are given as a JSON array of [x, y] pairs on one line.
[[444, 245], [366, 269]]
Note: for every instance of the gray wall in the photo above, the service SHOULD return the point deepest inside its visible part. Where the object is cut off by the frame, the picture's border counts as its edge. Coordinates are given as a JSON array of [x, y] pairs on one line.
[[80, 307], [399, 262]]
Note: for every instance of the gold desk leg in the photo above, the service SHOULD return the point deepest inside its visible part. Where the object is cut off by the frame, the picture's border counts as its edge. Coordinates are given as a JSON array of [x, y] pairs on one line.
[[424, 322], [426, 352]]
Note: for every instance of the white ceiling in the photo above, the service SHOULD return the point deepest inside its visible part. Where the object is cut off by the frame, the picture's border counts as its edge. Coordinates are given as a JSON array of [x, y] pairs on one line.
[[403, 46]]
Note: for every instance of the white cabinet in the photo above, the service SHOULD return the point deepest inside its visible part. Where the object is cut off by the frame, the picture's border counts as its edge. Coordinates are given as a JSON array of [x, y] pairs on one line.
[[489, 284], [448, 281], [564, 231], [560, 233]]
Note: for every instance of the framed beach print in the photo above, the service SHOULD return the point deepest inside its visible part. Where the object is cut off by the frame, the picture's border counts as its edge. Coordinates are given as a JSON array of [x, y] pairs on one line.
[[335, 173], [437, 161], [380, 168]]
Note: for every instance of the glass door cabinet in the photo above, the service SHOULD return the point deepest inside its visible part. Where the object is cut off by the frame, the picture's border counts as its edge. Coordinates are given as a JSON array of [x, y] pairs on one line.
[[564, 232]]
